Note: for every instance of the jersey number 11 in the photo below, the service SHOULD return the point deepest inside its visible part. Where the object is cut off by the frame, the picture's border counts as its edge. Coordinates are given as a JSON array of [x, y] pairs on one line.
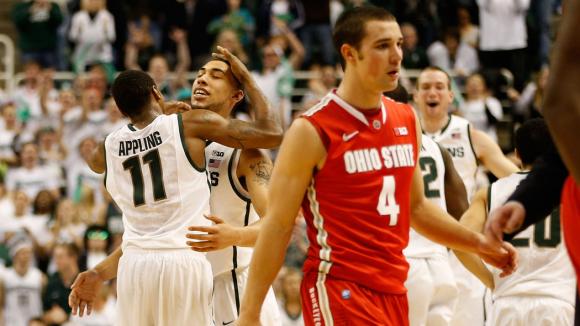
[[133, 164]]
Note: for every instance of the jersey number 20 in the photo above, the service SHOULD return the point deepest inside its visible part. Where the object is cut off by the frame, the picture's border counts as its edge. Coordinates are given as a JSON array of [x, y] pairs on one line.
[[387, 204], [133, 164]]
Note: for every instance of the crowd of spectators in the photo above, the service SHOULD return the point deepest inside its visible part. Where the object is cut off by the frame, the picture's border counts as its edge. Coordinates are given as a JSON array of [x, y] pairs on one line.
[[56, 218]]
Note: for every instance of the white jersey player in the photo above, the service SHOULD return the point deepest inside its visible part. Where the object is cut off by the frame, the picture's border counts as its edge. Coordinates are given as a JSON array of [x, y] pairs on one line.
[[156, 174], [542, 290], [21, 287], [431, 286], [238, 180], [467, 147]]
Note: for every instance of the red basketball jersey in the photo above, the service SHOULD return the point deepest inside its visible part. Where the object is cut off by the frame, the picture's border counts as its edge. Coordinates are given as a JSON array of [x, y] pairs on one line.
[[570, 214], [357, 205]]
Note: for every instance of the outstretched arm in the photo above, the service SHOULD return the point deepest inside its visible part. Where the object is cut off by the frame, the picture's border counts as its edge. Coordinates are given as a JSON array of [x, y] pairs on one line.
[[562, 105], [474, 219], [255, 167], [455, 193], [300, 153], [85, 288], [489, 153]]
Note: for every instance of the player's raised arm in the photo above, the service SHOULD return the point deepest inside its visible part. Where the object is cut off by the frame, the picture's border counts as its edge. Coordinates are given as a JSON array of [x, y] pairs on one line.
[[474, 219], [291, 176], [259, 105], [489, 153], [562, 104], [455, 193], [235, 133]]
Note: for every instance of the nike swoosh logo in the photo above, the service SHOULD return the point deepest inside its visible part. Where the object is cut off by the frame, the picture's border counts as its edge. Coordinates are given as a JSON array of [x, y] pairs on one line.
[[227, 323], [347, 137]]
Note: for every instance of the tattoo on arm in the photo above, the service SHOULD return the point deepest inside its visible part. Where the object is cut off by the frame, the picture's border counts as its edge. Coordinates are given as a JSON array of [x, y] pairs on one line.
[[262, 171]]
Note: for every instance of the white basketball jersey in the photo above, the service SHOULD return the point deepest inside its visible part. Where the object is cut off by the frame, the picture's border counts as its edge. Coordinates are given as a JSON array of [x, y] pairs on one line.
[[23, 296], [231, 202], [155, 183], [544, 267], [433, 171], [456, 138]]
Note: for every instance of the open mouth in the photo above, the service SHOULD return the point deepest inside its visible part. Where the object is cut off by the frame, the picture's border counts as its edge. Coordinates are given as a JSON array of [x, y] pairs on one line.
[[432, 104], [200, 93], [394, 73]]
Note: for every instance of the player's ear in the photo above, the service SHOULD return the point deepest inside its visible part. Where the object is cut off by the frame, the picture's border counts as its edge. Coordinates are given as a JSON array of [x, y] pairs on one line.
[[238, 96], [347, 52], [156, 93]]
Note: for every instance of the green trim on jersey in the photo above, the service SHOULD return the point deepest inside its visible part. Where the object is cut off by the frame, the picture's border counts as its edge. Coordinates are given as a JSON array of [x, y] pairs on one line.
[[489, 199], [231, 178], [105, 152], [446, 125], [131, 127], [182, 136], [471, 144]]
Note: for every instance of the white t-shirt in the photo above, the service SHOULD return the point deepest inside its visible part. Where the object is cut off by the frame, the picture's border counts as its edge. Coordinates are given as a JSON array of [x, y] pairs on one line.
[[32, 181], [474, 111], [502, 24]]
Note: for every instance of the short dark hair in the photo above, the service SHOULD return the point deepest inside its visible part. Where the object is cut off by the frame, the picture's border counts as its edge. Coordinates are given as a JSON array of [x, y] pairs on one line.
[[132, 91], [532, 140], [435, 68], [350, 28]]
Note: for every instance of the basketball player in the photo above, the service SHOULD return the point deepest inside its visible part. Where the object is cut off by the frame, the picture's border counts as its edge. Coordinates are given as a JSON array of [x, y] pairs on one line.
[[350, 160], [541, 291], [467, 146], [21, 285], [432, 293], [156, 174], [238, 180]]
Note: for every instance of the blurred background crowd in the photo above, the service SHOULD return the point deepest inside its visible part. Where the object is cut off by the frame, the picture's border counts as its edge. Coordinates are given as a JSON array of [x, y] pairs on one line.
[[56, 219]]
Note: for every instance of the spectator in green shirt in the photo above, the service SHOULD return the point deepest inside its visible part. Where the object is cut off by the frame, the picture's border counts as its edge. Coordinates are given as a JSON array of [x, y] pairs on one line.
[[37, 22]]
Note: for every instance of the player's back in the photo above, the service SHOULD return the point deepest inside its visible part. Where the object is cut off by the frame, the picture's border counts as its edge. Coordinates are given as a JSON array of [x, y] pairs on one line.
[[357, 205], [155, 183], [544, 267], [456, 138], [231, 202]]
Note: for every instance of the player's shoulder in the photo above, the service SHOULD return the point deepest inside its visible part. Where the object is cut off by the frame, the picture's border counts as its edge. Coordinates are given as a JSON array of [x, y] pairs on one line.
[[321, 108]]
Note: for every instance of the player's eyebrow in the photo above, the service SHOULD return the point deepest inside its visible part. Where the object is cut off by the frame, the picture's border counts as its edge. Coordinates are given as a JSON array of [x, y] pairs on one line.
[[389, 39]]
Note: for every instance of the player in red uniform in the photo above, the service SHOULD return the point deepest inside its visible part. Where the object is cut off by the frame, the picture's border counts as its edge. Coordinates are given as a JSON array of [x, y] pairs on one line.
[[351, 161]]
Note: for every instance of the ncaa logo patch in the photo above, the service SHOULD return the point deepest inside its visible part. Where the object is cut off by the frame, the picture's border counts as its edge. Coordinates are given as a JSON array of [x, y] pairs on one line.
[[376, 124], [345, 294]]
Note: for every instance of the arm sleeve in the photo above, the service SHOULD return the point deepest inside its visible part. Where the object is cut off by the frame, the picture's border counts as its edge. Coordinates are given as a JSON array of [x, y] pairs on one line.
[[540, 192]]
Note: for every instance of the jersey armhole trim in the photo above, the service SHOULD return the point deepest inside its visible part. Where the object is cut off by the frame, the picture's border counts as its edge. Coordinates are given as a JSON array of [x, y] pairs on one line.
[[235, 184], [488, 206], [105, 153], [184, 145], [446, 125], [471, 144]]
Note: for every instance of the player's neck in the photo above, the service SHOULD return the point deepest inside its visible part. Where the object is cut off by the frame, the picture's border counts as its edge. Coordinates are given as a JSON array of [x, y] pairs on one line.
[[433, 126], [144, 119], [356, 95]]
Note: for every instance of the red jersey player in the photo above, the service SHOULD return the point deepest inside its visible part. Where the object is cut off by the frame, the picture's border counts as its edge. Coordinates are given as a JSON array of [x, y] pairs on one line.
[[351, 161]]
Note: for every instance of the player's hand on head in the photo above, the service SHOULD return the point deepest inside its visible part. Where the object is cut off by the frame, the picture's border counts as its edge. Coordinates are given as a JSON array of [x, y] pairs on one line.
[[175, 107], [238, 68], [84, 291], [216, 237], [505, 219]]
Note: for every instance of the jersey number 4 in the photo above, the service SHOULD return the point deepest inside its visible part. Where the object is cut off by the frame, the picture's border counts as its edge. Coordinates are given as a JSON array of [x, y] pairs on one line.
[[133, 164], [387, 204]]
